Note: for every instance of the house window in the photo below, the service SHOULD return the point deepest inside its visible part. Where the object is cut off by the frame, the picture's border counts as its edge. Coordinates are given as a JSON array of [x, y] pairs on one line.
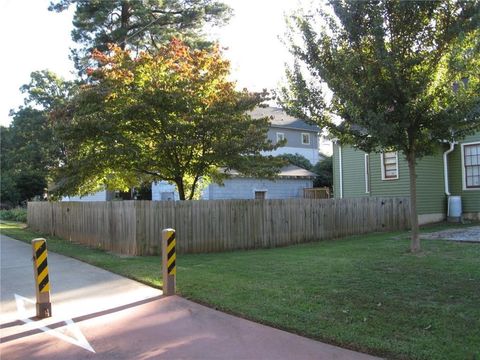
[[280, 136], [260, 194], [389, 165], [367, 173], [167, 195], [305, 139], [471, 166]]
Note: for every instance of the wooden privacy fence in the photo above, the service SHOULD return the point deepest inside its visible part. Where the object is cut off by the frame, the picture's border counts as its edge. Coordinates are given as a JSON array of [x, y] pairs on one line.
[[316, 193], [135, 227]]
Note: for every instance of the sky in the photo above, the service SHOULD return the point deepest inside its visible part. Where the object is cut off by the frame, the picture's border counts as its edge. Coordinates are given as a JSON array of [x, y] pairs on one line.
[[36, 39]]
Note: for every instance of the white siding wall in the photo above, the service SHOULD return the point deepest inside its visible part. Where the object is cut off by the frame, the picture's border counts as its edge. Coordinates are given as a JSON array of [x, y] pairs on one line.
[[244, 188], [239, 188], [163, 187], [98, 196]]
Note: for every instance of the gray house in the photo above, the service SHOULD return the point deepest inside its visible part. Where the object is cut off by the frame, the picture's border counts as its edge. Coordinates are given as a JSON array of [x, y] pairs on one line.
[[301, 138], [290, 184]]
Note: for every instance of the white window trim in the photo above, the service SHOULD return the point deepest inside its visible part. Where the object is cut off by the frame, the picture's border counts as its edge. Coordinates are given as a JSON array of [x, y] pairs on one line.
[[464, 180], [282, 134], [301, 138], [383, 168], [367, 174]]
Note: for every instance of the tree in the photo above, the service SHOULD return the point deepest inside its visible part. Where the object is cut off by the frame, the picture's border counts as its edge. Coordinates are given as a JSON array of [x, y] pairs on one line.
[[171, 116], [29, 146], [46, 90], [297, 160], [324, 171], [139, 25], [390, 66]]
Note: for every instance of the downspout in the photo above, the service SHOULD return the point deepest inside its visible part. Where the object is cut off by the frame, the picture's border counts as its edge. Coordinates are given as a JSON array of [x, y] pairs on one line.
[[445, 168], [340, 170]]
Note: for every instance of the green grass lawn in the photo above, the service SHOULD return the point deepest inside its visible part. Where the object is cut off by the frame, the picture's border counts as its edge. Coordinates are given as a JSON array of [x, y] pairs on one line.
[[366, 293]]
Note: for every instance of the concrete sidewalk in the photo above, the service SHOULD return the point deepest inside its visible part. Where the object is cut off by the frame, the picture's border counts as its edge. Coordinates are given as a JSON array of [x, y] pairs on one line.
[[77, 288], [99, 315]]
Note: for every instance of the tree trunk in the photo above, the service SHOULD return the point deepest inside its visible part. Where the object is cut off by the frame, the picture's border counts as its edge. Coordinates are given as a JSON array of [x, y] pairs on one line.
[[194, 185], [125, 17], [415, 242], [181, 189]]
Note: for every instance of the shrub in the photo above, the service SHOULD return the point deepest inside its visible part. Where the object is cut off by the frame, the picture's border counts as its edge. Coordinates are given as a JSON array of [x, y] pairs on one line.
[[17, 214]]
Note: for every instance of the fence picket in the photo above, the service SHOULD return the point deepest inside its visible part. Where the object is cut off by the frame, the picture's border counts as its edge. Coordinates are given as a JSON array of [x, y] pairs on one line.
[[134, 227]]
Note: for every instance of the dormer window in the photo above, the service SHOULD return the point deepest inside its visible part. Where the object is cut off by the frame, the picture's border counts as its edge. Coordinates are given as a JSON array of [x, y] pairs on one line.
[[280, 137], [305, 139]]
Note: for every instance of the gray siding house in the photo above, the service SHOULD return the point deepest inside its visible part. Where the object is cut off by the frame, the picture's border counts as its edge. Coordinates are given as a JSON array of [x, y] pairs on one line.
[[301, 138], [290, 184]]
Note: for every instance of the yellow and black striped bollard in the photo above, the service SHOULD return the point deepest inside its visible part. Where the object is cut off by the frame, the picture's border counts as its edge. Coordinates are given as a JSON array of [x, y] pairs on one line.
[[42, 281], [169, 256]]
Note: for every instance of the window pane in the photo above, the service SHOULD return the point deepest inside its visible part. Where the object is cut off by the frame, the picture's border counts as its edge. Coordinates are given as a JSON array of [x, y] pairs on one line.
[[305, 138], [472, 165], [260, 195], [390, 165]]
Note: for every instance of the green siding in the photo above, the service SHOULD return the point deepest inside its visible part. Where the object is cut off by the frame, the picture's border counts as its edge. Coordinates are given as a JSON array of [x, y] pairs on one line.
[[470, 198], [394, 187], [431, 185], [354, 177], [431, 197]]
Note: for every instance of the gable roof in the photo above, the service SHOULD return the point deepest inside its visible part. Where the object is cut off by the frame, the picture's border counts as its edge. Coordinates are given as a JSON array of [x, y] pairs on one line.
[[279, 118]]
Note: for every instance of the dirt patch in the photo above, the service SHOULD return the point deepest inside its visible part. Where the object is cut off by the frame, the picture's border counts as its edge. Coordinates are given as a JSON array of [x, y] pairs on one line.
[[471, 234]]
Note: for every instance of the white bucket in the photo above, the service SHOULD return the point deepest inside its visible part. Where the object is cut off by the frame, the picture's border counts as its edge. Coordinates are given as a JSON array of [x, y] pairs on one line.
[[454, 207]]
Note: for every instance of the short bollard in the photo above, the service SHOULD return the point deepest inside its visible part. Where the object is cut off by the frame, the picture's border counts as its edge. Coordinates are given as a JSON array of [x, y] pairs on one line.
[[42, 282], [169, 267]]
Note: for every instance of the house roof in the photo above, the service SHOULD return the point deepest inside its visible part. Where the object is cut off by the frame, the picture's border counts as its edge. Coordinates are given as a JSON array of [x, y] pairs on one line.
[[279, 118], [289, 171]]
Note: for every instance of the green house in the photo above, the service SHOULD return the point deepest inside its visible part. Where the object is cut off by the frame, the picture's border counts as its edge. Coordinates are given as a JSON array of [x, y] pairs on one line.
[[453, 171]]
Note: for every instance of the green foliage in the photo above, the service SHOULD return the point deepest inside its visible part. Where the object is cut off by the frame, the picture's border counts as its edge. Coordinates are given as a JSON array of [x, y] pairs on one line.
[[47, 90], [139, 25], [17, 214], [390, 66], [171, 116], [324, 171], [297, 160], [9, 194], [29, 146]]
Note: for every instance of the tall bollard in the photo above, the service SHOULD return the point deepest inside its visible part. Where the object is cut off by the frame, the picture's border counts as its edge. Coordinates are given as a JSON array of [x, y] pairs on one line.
[[42, 282], [169, 267]]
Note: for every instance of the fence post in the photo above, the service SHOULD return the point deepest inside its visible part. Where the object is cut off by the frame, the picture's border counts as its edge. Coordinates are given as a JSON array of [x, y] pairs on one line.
[[169, 267], [42, 282]]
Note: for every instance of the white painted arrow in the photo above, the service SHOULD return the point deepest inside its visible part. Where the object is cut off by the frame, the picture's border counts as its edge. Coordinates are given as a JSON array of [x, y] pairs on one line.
[[78, 340]]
